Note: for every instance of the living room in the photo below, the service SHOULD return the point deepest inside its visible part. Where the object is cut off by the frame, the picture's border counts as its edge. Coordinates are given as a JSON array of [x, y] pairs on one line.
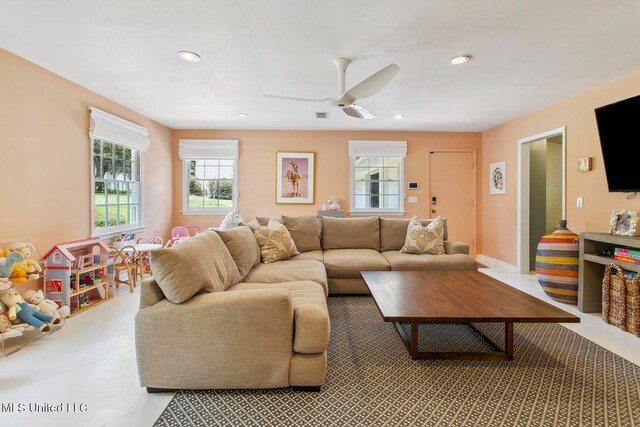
[[180, 77]]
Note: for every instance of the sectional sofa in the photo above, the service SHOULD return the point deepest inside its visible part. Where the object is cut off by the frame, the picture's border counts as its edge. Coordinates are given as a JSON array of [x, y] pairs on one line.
[[213, 316]]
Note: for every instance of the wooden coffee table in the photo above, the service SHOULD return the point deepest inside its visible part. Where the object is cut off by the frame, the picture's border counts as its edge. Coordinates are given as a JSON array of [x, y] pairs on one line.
[[465, 297]]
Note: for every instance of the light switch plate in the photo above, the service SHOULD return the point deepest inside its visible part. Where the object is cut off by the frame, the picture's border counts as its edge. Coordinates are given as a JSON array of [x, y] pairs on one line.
[[413, 200], [579, 201]]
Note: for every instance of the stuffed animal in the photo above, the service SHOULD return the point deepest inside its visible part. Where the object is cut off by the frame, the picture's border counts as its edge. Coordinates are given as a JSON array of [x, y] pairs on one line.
[[232, 219], [37, 299], [26, 250], [6, 266], [19, 308], [4, 284]]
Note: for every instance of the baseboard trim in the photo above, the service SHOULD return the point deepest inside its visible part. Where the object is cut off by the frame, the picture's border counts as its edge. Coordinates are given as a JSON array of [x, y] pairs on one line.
[[493, 262]]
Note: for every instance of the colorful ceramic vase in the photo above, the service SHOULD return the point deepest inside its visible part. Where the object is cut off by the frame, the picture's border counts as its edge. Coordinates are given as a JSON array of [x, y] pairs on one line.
[[557, 264]]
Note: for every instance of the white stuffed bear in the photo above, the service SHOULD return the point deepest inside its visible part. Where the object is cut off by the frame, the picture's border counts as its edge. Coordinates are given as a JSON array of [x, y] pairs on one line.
[[37, 299]]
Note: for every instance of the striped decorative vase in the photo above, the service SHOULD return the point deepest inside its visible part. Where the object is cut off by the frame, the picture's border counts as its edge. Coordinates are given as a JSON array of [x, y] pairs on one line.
[[557, 264]]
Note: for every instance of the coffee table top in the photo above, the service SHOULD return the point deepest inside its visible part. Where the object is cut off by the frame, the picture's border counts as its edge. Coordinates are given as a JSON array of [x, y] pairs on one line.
[[456, 297]]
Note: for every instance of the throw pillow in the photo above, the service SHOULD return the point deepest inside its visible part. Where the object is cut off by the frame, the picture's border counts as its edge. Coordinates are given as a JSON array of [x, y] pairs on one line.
[[304, 231], [200, 263], [424, 239], [274, 241], [243, 247]]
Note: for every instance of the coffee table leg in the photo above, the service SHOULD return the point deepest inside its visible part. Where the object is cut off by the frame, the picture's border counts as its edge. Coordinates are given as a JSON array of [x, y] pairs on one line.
[[508, 340], [409, 341]]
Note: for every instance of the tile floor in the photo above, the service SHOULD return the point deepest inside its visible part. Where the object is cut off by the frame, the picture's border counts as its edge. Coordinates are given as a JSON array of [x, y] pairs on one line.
[[91, 360]]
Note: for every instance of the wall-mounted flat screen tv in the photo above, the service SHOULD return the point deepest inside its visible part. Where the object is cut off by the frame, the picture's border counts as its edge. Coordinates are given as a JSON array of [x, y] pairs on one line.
[[619, 129]]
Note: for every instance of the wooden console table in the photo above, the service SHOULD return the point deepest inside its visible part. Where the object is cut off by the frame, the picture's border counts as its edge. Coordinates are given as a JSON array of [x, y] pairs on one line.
[[592, 266]]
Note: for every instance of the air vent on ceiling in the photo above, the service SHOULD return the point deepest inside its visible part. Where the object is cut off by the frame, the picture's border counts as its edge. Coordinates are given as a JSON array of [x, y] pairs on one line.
[[323, 115]]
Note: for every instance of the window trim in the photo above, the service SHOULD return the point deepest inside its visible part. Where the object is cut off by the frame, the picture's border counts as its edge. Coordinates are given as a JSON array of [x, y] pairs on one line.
[[116, 130], [186, 210], [377, 149]]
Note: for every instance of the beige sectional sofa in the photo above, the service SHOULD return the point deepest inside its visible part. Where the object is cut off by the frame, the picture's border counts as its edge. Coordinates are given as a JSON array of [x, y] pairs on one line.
[[262, 325]]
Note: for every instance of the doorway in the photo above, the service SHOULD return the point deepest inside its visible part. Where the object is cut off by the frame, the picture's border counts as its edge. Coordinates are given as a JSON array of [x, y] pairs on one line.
[[541, 192], [453, 193]]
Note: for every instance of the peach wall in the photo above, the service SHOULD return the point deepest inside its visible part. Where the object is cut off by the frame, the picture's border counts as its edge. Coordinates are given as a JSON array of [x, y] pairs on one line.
[[499, 212], [256, 166], [44, 158]]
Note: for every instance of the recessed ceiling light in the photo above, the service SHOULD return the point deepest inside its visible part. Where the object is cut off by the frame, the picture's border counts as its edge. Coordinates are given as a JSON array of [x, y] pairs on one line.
[[189, 56], [457, 60], [243, 115], [398, 116]]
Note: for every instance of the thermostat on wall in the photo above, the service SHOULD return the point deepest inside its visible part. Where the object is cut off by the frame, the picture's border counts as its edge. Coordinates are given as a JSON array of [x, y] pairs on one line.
[[413, 186]]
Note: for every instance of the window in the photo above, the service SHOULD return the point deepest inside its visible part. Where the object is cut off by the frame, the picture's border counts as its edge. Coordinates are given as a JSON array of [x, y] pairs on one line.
[[377, 176], [117, 148], [209, 178], [116, 186]]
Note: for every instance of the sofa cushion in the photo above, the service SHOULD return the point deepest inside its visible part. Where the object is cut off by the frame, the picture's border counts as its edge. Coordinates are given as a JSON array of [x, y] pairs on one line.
[[274, 241], [304, 231], [350, 233], [243, 247], [424, 239], [200, 263], [394, 231], [289, 271], [425, 262], [310, 313], [311, 255], [349, 262]]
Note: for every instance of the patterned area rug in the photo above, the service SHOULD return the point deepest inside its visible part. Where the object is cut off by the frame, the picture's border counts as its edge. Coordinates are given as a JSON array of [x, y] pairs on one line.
[[557, 378]]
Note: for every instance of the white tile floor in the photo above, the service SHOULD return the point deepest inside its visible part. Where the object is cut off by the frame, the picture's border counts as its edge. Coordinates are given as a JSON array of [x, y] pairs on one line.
[[92, 361]]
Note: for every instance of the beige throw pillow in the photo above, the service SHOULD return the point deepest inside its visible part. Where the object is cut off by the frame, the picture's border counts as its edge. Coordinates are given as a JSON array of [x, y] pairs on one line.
[[424, 239], [201, 263], [304, 231], [274, 241], [243, 248]]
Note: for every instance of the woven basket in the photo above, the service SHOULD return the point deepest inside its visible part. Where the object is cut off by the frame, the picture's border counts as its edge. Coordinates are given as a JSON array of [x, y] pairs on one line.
[[621, 300]]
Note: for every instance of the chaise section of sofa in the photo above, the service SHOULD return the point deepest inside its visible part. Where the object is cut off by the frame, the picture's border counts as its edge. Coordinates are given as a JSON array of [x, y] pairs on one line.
[[231, 334]]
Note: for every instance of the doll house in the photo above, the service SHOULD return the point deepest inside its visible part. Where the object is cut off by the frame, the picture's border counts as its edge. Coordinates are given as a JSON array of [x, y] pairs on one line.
[[78, 274]]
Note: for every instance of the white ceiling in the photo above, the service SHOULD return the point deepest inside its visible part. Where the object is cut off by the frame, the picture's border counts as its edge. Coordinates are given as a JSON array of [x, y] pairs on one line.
[[526, 55]]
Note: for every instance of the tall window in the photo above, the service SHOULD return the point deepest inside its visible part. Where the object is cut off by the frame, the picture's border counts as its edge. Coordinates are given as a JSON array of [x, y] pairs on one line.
[[209, 176], [117, 177], [377, 176]]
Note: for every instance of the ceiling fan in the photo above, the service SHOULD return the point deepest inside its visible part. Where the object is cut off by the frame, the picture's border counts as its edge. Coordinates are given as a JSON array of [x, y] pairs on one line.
[[347, 100]]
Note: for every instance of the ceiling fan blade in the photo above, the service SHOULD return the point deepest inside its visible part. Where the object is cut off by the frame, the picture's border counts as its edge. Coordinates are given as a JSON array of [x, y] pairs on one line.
[[374, 83], [356, 110], [291, 98]]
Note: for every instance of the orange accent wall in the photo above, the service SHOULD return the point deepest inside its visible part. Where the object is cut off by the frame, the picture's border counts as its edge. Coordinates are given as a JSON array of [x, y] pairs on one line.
[[257, 167], [44, 157], [499, 212]]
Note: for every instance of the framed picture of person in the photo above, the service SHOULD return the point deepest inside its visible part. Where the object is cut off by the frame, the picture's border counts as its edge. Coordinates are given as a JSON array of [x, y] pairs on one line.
[[295, 177]]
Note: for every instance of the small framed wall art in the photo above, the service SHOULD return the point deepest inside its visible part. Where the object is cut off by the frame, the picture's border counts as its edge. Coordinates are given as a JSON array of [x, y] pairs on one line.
[[498, 178], [584, 164], [295, 177], [623, 223]]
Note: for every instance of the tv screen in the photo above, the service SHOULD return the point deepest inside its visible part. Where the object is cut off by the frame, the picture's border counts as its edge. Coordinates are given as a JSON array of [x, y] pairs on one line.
[[619, 129]]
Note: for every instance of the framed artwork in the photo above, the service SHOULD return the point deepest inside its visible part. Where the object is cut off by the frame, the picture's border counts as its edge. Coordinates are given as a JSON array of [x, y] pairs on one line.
[[295, 177], [623, 223], [498, 178], [584, 164]]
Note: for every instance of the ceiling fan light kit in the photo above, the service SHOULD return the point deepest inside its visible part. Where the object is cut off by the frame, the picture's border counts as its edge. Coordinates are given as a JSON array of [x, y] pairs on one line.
[[347, 100]]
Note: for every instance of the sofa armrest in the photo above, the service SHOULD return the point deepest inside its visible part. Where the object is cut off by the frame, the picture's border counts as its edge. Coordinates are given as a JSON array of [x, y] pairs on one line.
[[150, 293], [239, 339], [451, 248]]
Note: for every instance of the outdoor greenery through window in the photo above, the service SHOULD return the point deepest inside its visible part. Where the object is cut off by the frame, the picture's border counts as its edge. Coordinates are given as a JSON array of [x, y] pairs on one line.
[[116, 177], [377, 182], [211, 184]]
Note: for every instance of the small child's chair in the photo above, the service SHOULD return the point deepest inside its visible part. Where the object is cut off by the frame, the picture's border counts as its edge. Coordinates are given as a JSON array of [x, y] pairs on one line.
[[181, 233]]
